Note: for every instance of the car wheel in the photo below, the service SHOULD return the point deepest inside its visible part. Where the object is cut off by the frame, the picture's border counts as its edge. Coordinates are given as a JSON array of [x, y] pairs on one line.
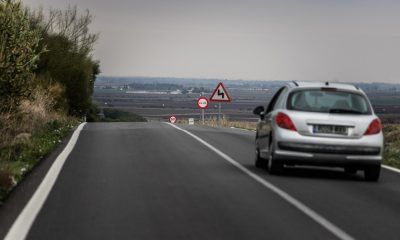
[[350, 170], [371, 173], [259, 162], [274, 167]]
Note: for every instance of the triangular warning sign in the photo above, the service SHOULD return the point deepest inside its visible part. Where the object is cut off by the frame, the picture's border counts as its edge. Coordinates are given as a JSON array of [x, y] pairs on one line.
[[220, 94]]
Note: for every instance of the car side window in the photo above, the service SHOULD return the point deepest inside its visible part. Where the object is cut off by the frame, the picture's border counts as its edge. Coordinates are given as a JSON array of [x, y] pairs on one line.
[[274, 100], [281, 97]]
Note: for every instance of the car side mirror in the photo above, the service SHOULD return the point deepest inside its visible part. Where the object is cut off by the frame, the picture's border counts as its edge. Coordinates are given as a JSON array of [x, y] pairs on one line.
[[259, 111]]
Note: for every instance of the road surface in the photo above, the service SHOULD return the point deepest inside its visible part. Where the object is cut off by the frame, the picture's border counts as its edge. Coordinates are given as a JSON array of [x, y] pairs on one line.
[[153, 181]]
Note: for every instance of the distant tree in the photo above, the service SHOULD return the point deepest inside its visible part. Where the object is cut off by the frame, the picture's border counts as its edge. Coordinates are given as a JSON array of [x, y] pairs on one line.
[[69, 24], [116, 115], [68, 58], [93, 114], [198, 90], [19, 53]]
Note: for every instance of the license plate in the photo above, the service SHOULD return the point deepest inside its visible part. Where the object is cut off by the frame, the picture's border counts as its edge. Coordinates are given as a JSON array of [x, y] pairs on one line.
[[330, 129]]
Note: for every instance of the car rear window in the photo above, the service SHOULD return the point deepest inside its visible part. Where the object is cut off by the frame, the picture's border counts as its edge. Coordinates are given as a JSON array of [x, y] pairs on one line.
[[328, 100]]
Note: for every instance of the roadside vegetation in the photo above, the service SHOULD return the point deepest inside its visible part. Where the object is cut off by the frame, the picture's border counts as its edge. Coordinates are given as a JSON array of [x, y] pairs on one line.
[[225, 123], [115, 115], [213, 122], [392, 145], [46, 81]]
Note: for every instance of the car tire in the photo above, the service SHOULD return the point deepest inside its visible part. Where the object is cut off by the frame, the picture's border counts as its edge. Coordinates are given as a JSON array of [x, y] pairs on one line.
[[350, 170], [371, 173], [274, 167], [259, 162]]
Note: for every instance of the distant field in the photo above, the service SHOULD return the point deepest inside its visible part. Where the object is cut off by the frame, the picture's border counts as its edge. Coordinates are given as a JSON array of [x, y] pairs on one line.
[[159, 106], [386, 101]]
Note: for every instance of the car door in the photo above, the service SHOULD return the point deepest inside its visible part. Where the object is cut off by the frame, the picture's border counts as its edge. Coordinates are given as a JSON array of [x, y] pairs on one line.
[[264, 127]]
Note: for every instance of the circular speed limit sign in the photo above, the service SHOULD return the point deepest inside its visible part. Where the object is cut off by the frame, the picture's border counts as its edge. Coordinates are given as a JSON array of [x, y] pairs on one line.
[[202, 103], [172, 119]]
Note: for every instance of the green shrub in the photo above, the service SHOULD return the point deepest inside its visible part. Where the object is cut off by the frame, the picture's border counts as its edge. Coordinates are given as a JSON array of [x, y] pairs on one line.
[[68, 59], [115, 115], [16, 159], [19, 53], [391, 154]]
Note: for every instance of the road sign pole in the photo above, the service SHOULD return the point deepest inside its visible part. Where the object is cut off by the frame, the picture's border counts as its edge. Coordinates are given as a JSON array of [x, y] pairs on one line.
[[202, 116], [219, 114]]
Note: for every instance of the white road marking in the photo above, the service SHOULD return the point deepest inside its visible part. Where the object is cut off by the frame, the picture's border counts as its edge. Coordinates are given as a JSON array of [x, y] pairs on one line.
[[23, 223], [291, 200], [391, 168]]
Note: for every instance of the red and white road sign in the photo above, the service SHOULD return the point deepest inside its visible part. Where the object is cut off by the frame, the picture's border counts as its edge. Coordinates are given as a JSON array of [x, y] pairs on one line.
[[202, 103], [220, 94], [172, 119]]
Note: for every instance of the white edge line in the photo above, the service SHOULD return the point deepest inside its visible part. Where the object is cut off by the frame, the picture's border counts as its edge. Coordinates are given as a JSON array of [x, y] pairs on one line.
[[24, 221], [291, 200], [391, 168]]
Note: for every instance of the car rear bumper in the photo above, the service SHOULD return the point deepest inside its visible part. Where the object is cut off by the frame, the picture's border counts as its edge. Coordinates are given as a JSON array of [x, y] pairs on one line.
[[329, 149], [327, 155]]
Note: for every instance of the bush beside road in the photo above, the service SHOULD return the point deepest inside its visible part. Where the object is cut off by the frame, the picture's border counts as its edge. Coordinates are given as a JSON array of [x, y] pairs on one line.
[[21, 153], [115, 115], [392, 145], [46, 82]]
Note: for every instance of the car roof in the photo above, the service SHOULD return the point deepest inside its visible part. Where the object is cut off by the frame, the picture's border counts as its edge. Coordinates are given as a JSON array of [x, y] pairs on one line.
[[307, 84]]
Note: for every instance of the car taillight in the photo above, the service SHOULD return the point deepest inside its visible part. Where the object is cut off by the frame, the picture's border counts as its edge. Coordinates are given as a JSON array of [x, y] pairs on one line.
[[374, 127], [284, 121]]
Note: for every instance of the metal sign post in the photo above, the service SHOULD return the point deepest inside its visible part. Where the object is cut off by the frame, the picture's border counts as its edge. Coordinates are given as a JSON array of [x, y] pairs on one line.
[[202, 116], [219, 114]]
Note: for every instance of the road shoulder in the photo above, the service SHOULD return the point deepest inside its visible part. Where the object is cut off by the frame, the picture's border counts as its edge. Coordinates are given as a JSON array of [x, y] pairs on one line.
[[21, 194]]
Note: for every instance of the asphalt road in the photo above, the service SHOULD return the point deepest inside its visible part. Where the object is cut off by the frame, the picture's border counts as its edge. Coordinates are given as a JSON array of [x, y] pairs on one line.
[[152, 181]]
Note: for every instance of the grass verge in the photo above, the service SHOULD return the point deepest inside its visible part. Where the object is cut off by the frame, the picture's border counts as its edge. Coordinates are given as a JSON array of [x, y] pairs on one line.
[[115, 115], [27, 149], [213, 122], [391, 155]]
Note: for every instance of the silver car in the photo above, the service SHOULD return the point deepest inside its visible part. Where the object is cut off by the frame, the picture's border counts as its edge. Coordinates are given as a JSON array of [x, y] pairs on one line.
[[322, 124]]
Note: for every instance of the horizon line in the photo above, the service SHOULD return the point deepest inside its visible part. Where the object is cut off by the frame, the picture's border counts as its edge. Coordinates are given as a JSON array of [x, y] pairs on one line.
[[241, 79]]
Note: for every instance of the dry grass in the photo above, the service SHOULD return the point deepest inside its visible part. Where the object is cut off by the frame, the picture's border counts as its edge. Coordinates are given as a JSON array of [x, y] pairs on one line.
[[32, 114], [29, 134], [392, 145], [213, 122], [392, 132]]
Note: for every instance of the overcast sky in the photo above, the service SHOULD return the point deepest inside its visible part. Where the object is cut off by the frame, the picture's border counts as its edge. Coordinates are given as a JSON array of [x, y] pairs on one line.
[[342, 40]]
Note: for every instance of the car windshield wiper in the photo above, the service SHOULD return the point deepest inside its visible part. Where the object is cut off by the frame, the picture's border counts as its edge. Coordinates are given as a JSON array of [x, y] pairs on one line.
[[340, 110]]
